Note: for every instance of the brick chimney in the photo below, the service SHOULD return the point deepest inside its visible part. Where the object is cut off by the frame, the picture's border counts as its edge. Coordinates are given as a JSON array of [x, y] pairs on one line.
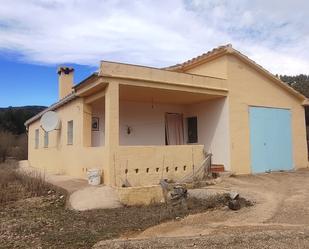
[[65, 82]]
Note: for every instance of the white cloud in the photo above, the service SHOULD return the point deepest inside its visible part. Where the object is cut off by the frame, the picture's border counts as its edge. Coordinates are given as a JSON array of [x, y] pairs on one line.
[[158, 33]]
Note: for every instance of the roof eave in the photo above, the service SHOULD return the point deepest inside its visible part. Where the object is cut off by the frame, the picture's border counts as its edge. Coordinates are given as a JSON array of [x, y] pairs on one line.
[[306, 102], [228, 49], [86, 80], [54, 106], [267, 74]]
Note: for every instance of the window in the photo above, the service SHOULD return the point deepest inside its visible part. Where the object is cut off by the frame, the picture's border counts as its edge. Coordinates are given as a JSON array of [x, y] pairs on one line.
[[70, 133], [45, 139], [192, 129], [36, 138]]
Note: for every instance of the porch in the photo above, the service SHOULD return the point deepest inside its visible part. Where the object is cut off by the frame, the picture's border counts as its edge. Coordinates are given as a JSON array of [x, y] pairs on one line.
[[156, 130]]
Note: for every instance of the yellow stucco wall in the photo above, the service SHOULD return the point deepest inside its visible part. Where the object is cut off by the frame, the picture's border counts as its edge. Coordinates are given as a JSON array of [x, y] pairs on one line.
[[141, 195], [162, 78], [112, 158], [214, 68], [248, 87], [60, 157], [162, 162]]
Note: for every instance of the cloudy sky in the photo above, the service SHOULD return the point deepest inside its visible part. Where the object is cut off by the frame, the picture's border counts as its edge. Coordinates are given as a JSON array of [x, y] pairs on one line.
[[38, 35]]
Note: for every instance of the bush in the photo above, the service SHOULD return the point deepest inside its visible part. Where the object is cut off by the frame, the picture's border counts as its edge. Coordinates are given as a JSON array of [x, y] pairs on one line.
[[16, 184], [20, 149], [6, 143], [7, 175], [34, 182]]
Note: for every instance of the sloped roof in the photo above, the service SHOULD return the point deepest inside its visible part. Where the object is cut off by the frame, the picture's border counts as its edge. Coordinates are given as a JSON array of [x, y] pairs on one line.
[[53, 107], [199, 58], [62, 101], [182, 67], [228, 49]]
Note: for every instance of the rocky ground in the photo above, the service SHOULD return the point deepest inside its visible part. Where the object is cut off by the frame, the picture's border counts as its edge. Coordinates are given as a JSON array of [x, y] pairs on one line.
[[278, 219], [275, 238], [34, 216], [43, 222]]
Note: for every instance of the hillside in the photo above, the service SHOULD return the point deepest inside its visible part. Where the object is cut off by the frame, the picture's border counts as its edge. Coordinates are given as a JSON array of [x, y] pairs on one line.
[[12, 119], [301, 84]]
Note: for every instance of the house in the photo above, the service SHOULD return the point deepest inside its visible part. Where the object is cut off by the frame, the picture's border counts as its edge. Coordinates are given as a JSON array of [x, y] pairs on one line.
[[141, 124]]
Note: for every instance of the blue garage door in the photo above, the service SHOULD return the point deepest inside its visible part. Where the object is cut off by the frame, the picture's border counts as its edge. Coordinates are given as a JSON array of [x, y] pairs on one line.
[[271, 141]]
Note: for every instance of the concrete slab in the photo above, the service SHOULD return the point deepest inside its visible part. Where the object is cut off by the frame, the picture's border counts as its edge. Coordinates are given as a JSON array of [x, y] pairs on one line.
[[68, 183], [94, 197], [82, 196]]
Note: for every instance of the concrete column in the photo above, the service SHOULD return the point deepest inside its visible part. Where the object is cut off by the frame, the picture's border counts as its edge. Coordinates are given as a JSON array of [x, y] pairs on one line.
[[86, 123], [111, 131]]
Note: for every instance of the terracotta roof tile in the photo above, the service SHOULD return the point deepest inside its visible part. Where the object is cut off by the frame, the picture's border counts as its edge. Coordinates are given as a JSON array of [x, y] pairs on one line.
[[200, 57], [229, 49]]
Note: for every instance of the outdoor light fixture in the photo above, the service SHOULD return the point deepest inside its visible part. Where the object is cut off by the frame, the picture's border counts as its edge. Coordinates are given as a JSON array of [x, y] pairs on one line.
[[129, 130]]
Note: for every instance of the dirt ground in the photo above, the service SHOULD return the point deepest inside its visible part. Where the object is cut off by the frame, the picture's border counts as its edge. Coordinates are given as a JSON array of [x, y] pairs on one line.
[[36, 217], [80, 192], [279, 218], [43, 222]]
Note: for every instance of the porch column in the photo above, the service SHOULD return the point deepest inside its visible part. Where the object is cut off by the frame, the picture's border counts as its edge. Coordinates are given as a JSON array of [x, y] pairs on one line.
[[111, 131], [86, 125]]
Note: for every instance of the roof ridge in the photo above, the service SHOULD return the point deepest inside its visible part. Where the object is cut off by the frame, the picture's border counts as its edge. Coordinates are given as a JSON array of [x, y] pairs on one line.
[[229, 49], [199, 57]]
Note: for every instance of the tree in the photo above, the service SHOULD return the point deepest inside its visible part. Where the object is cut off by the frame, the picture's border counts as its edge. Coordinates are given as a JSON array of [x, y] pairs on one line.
[[301, 84], [6, 142], [12, 119], [20, 147]]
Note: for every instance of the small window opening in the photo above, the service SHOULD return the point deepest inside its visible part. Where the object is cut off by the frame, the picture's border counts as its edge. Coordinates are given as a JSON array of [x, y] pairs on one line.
[[126, 171], [176, 168], [192, 129], [136, 171], [184, 167], [157, 169], [147, 170], [37, 134], [70, 133], [46, 139], [166, 169]]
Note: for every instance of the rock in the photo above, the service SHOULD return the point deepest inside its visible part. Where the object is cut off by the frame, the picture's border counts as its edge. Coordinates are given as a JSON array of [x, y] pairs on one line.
[[234, 204], [234, 195], [218, 180]]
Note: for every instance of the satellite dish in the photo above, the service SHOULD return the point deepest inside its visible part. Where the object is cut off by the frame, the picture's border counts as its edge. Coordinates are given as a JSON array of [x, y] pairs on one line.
[[50, 121]]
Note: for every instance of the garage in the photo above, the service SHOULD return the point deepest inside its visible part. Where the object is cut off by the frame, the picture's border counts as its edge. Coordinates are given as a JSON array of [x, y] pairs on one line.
[[270, 139]]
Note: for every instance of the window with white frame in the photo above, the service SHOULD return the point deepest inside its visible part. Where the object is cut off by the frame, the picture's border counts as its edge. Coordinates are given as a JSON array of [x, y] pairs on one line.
[[45, 139], [70, 132], [36, 138]]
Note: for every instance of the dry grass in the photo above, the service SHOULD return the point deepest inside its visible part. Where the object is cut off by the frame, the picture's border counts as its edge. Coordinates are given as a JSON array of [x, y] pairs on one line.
[[16, 184], [44, 222], [33, 215]]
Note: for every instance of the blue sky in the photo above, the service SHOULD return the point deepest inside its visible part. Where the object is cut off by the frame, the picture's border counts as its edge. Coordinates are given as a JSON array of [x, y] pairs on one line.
[[38, 35], [29, 84]]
